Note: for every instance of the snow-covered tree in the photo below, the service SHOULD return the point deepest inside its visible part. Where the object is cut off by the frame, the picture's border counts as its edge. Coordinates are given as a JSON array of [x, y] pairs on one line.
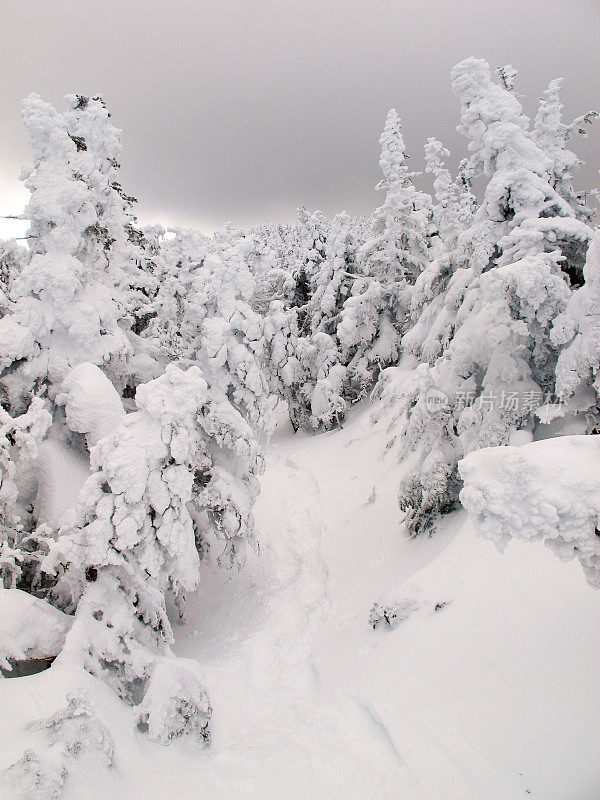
[[12, 259], [313, 237], [552, 135], [487, 337], [224, 335], [285, 361], [76, 297], [333, 279], [397, 247], [577, 332], [522, 214], [19, 543], [449, 213], [178, 473]]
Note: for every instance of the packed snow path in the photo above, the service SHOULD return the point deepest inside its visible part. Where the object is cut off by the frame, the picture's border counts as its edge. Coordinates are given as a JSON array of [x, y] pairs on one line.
[[301, 738]]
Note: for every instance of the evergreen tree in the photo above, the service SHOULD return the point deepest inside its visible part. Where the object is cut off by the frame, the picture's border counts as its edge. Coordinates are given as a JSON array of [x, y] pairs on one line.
[[493, 359], [397, 248], [178, 473], [74, 300]]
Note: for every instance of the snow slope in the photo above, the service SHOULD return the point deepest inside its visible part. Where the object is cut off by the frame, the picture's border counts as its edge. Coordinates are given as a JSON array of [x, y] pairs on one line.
[[493, 696]]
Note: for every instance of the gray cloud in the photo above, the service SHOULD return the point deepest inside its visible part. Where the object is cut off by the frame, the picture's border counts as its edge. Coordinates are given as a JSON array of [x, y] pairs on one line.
[[242, 110]]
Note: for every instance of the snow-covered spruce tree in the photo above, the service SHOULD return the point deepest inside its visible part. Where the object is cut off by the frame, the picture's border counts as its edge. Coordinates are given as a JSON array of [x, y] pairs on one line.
[[397, 247], [552, 135], [75, 298], [452, 213], [499, 359], [224, 336], [21, 547], [180, 472], [577, 332], [313, 232]]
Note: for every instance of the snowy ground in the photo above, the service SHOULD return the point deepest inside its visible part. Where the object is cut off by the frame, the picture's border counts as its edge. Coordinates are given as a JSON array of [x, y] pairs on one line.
[[493, 696]]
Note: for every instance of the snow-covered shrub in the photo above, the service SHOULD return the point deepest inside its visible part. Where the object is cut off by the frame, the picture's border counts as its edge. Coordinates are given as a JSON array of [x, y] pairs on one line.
[[92, 404], [544, 491], [77, 730], [392, 615], [76, 733], [175, 702], [31, 779]]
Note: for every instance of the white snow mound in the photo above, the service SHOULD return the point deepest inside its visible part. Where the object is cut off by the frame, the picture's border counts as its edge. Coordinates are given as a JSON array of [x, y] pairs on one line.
[[544, 491], [92, 404], [30, 629]]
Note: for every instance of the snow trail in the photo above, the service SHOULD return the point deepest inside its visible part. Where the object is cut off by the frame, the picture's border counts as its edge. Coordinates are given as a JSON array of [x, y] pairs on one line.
[[266, 690]]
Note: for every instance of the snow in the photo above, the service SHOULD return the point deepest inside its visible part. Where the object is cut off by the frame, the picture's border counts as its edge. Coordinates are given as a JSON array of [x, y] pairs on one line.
[[544, 491], [60, 475], [344, 653], [30, 629], [92, 405], [487, 690]]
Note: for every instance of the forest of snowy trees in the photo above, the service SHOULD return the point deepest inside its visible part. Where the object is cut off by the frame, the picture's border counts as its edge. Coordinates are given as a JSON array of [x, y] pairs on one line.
[[162, 357]]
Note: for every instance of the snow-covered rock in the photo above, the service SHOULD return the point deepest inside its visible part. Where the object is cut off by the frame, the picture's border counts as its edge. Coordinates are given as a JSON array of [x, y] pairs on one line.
[[30, 629], [544, 491]]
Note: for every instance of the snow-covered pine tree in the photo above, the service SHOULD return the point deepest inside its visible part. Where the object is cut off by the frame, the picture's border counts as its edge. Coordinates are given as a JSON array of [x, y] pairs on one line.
[[72, 301], [224, 335], [178, 474], [21, 548], [498, 360], [577, 332], [396, 250]]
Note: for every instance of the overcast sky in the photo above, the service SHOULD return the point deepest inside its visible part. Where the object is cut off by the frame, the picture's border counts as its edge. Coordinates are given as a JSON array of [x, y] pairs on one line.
[[242, 110]]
